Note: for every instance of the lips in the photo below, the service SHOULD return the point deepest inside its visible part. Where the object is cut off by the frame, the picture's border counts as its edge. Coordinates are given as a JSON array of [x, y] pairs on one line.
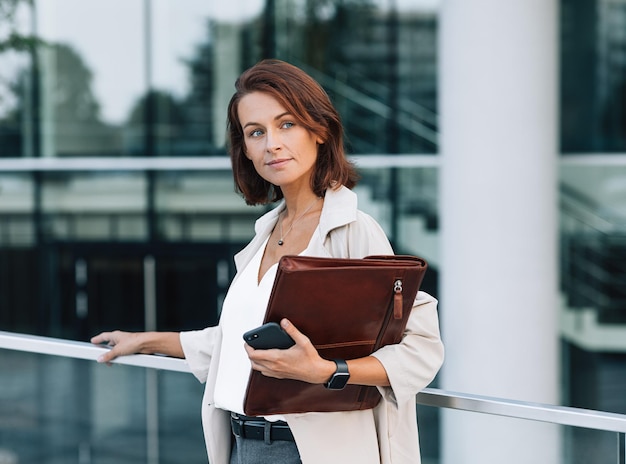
[[277, 162]]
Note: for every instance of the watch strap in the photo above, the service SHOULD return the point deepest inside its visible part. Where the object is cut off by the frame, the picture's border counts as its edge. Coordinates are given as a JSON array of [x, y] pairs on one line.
[[341, 376]]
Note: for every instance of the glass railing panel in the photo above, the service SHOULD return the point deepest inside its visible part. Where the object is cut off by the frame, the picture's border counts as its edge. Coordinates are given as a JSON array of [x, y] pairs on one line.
[[59, 410], [63, 407], [492, 438], [581, 446], [429, 427]]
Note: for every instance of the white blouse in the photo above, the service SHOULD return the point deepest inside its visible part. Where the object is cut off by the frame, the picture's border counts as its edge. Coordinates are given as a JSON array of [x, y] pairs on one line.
[[243, 309]]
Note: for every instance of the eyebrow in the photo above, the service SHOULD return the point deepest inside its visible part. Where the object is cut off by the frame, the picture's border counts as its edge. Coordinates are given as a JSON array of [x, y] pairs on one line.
[[252, 123]]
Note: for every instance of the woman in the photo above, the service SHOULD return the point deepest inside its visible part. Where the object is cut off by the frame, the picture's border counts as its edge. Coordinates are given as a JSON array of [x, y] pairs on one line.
[[286, 144]]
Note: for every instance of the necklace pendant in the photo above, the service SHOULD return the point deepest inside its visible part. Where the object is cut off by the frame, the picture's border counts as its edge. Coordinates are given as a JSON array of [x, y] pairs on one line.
[[280, 242]]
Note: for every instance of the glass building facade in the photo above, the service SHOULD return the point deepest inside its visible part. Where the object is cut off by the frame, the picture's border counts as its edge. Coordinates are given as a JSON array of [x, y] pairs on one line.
[[158, 87], [107, 244]]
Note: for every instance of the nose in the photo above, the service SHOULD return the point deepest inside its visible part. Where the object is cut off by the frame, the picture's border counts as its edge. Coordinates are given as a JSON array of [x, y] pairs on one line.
[[273, 142]]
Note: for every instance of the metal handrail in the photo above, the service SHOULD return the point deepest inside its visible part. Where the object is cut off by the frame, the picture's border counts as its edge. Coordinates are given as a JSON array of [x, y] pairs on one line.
[[575, 417], [540, 412], [83, 350]]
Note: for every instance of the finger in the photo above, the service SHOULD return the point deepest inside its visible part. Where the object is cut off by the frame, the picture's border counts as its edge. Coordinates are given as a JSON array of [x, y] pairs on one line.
[[255, 356], [103, 337], [293, 332], [107, 357]]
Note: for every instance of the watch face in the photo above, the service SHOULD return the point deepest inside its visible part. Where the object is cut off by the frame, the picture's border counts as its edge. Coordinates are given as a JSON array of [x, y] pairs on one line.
[[338, 380], [340, 377]]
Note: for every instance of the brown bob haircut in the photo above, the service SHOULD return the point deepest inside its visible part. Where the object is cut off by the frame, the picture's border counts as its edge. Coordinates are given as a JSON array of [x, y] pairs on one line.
[[309, 104]]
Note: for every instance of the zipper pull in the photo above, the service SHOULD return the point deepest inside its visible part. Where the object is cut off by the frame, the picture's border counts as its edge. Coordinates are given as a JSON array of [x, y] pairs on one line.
[[397, 299]]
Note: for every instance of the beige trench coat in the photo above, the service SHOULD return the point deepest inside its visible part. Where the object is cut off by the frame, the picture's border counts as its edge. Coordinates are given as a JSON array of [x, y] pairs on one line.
[[386, 434]]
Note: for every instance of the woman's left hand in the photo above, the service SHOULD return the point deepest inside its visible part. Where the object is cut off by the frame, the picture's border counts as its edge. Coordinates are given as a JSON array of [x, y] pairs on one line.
[[300, 362]]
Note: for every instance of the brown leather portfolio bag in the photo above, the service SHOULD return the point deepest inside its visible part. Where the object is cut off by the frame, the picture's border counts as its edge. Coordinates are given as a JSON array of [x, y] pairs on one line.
[[348, 308]]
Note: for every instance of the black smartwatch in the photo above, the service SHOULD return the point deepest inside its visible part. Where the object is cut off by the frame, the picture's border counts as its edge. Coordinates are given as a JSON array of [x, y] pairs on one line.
[[340, 378]]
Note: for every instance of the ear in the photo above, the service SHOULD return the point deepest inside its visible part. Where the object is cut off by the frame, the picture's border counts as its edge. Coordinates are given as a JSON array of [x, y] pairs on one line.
[[320, 141]]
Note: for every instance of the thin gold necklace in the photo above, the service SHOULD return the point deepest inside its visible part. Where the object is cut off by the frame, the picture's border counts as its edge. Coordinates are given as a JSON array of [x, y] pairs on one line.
[[281, 241]]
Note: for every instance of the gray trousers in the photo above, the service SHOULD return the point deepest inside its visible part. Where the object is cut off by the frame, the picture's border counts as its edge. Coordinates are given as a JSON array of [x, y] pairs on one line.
[[249, 451]]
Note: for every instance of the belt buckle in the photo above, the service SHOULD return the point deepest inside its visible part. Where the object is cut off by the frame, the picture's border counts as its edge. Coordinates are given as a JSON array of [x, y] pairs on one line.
[[259, 429], [237, 425]]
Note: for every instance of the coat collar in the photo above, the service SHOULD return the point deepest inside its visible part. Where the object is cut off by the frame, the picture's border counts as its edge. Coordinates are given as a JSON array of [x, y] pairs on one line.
[[340, 208]]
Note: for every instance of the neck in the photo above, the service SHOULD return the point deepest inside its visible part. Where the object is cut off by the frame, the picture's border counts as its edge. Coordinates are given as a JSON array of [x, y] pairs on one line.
[[295, 217], [296, 206]]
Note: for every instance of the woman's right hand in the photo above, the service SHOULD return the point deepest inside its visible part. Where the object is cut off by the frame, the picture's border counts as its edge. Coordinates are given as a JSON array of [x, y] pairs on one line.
[[121, 343], [125, 343]]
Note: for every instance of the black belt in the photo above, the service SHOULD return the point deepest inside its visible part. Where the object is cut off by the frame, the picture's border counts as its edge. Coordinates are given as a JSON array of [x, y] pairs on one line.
[[258, 428]]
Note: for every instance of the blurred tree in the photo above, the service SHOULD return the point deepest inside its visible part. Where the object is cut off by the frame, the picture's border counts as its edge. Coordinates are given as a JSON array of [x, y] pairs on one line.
[[10, 36], [72, 106], [167, 109], [155, 125], [327, 28], [197, 105], [59, 100], [12, 42], [11, 39], [71, 91]]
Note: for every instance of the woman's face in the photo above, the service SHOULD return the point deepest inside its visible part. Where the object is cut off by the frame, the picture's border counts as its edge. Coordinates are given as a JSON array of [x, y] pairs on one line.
[[282, 150]]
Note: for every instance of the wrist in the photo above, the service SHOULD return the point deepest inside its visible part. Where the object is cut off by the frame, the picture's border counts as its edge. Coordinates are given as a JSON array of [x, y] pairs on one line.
[[145, 344], [340, 377], [151, 343], [326, 371]]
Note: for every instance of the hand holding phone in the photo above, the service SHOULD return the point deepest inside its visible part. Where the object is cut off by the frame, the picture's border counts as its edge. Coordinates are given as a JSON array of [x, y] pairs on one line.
[[269, 335]]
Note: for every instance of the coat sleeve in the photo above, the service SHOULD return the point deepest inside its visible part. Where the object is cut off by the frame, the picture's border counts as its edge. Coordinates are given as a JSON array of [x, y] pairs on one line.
[[198, 346], [413, 363]]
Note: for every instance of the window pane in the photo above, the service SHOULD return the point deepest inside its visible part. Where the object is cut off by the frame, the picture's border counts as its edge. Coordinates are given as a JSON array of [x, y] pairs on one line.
[[593, 76]]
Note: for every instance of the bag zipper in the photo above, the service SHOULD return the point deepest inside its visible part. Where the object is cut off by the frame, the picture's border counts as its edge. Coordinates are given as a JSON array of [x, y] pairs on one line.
[[397, 314], [395, 308], [397, 299]]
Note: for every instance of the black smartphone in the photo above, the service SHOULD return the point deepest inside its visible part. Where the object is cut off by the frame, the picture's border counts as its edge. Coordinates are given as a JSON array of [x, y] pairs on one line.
[[269, 335]]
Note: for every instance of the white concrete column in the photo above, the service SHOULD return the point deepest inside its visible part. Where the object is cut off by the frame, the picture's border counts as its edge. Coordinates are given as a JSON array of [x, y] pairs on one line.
[[499, 303]]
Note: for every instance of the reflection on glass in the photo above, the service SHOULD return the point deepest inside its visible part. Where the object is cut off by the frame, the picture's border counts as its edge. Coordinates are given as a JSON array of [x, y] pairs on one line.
[[147, 90], [593, 76], [159, 85], [55, 409], [153, 77], [16, 55]]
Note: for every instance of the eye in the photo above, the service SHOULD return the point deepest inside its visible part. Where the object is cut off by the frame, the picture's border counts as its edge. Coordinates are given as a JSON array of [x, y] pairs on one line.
[[255, 133], [287, 125]]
